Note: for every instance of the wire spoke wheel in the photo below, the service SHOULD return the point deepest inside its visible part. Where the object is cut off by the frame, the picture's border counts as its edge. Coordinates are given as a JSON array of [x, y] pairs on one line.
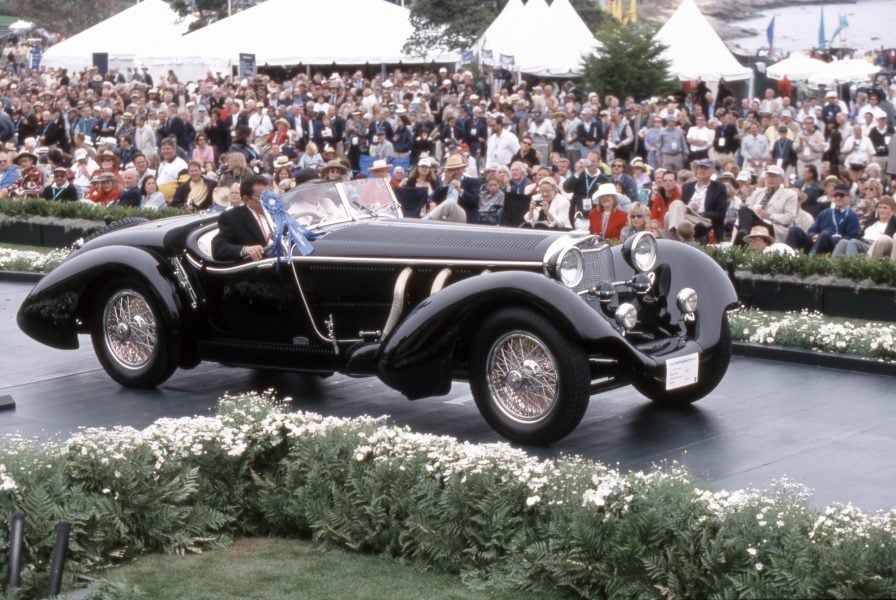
[[522, 377], [130, 330]]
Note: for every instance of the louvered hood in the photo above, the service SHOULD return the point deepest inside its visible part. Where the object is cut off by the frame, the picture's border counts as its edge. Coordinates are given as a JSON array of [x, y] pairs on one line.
[[419, 239]]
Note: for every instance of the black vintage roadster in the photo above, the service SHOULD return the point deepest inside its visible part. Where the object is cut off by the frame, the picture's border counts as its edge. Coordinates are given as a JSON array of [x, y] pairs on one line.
[[537, 321]]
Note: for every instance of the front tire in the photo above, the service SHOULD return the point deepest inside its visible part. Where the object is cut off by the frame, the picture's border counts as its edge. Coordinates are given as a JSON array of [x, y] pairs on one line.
[[712, 370], [530, 383], [129, 336]]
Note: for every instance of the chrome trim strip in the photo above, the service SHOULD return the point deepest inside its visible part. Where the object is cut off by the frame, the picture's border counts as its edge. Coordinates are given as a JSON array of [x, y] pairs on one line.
[[401, 284], [439, 282], [311, 259]]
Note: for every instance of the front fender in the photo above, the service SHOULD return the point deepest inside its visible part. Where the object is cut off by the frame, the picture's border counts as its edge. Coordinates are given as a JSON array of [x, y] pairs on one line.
[[693, 268], [417, 359], [52, 310]]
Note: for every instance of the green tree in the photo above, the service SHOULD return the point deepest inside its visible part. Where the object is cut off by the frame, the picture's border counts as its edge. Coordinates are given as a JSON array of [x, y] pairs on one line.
[[64, 16], [628, 64], [457, 24]]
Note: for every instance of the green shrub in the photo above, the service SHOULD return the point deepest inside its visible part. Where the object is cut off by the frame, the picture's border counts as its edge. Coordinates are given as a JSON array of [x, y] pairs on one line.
[[38, 207], [858, 268], [497, 516]]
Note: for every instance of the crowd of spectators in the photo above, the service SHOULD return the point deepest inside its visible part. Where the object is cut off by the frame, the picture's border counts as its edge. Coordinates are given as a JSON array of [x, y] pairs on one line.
[[690, 166]]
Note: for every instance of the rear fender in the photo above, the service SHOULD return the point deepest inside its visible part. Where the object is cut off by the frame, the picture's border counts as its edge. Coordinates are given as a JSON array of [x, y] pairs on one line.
[[418, 358], [57, 308]]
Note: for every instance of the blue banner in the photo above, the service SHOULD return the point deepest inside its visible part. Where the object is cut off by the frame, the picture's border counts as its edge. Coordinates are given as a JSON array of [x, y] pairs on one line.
[[36, 54], [467, 56], [822, 40], [487, 55], [507, 60], [770, 34]]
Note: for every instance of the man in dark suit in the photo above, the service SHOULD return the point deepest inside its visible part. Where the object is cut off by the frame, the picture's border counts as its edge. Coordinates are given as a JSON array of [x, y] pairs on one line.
[[60, 189], [131, 195], [244, 231], [703, 203]]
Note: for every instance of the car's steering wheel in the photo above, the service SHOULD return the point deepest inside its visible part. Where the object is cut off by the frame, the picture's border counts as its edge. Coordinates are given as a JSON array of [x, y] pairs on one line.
[[315, 216]]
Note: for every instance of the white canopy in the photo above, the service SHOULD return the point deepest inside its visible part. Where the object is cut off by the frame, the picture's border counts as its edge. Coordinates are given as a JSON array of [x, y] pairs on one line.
[[843, 71], [312, 32], [695, 50], [796, 67], [21, 25], [128, 37], [543, 40]]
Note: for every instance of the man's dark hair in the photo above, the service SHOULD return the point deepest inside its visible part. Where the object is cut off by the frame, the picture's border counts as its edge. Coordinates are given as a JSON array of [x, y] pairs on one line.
[[247, 185]]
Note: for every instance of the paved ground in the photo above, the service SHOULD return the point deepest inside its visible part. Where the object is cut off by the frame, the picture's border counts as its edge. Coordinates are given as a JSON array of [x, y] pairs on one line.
[[832, 430]]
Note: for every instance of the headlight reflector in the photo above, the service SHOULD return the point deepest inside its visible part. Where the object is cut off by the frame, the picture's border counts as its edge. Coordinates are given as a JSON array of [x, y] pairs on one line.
[[687, 300], [570, 267], [639, 251], [626, 316]]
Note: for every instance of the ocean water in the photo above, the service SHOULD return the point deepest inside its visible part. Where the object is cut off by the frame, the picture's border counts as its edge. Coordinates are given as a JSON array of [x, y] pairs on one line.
[[872, 24]]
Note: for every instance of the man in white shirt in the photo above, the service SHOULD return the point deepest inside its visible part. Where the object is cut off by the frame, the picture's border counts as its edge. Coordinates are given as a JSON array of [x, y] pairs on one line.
[[170, 167], [260, 122], [543, 133], [502, 144], [700, 138], [857, 148]]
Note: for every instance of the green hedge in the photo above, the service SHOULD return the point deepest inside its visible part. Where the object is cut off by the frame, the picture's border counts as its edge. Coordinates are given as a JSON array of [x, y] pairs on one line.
[[501, 518], [38, 207], [857, 268]]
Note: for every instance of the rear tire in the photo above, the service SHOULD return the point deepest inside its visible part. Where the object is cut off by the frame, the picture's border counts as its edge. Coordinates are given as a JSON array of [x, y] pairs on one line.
[[712, 370], [130, 337], [530, 383]]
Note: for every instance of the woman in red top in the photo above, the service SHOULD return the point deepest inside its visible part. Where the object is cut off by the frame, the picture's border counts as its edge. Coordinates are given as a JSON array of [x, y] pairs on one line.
[[667, 191], [607, 220]]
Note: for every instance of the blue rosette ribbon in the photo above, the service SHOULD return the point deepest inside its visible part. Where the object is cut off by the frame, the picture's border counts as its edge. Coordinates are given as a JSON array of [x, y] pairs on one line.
[[287, 234]]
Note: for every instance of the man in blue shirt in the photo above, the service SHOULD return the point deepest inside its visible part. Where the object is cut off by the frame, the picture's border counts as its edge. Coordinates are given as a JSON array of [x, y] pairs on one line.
[[832, 225]]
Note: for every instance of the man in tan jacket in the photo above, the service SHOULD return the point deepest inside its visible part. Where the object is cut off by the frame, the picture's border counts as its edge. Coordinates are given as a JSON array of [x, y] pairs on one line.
[[775, 207]]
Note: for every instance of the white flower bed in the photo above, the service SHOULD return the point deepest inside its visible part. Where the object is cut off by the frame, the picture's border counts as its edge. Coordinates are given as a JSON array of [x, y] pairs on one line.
[[30, 260], [813, 331]]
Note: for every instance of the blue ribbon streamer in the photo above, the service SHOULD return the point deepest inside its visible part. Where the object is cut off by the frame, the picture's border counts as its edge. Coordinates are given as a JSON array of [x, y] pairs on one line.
[[287, 234]]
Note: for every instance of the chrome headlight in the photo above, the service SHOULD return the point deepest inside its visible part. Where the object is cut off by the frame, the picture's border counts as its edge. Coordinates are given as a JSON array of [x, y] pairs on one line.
[[570, 267], [626, 316], [687, 300], [639, 251]]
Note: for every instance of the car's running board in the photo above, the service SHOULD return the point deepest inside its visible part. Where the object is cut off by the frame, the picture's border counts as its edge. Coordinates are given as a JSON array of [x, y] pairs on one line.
[[293, 357]]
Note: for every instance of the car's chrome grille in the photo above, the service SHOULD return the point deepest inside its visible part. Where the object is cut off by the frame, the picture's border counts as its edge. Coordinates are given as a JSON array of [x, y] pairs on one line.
[[598, 268]]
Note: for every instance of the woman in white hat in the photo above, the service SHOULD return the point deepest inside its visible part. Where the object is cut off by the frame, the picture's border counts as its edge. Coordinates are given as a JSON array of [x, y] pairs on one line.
[[606, 219]]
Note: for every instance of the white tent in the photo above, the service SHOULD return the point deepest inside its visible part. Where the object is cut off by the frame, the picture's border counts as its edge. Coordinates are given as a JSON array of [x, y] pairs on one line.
[[695, 50], [312, 32], [796, 67], [850, 70], [21, 25], [129, 37], [543, 40]]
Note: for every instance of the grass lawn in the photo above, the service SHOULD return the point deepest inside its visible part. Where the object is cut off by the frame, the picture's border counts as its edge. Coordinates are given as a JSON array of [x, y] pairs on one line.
[[7, 20], [265, 568]]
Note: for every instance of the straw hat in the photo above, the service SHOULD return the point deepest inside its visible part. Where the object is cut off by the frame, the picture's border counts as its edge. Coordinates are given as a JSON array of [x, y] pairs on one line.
[[760, 233], [379, 165], [455, 161], [335, 164]]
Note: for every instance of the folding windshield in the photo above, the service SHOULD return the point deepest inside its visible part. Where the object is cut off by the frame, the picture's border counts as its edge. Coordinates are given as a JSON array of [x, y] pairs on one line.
[[317, 204], [371, 198]]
